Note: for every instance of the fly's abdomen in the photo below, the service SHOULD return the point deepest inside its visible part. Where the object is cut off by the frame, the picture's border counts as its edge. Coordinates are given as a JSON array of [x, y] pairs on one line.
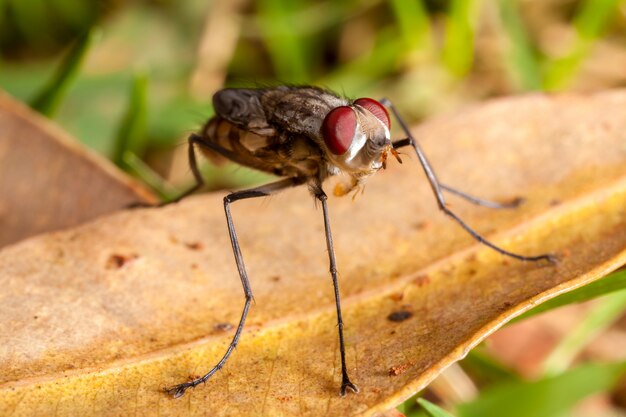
[[241, 146], [282, 155]]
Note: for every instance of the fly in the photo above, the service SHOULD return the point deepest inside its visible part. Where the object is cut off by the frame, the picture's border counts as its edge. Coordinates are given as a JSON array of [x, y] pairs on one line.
[[306, 135]]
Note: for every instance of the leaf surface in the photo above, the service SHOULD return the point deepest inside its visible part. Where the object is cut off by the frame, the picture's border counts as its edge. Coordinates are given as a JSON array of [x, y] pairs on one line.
[[48, 181], [96, 320]]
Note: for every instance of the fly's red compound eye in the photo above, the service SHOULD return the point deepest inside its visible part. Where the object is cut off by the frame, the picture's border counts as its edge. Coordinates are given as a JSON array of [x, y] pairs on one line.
[[338, 129], [376, 109]]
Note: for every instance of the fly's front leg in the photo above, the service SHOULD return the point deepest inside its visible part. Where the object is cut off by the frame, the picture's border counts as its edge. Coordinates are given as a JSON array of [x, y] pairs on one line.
[[345, 379], [481, 202], [178, 390], [438, 188]]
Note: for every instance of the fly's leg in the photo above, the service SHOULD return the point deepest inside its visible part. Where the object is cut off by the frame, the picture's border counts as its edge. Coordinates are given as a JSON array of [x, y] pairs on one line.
[[437, 188], [472, 199], [345, 380], [194, 139], [481, 202], [178, 390]]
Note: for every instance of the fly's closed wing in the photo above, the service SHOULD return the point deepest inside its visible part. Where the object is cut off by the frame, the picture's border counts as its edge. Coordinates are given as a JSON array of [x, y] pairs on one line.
[[242, 107], [299, 110], [277, 130], [296, 110]]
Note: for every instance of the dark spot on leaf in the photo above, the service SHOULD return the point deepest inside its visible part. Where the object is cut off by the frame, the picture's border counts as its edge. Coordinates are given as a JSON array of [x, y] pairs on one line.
[[399, 369], [116, 261], [554, 202], [194, 245], [422, 225], [397, 296], [223, 327], [400, 315], [421, 280]]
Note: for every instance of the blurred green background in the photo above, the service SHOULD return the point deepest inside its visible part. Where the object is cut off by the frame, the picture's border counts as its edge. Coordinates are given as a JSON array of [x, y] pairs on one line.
[[131, 79]]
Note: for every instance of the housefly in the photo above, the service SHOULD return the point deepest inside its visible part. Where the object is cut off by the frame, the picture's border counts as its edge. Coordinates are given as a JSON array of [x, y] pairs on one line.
[[306, 135]]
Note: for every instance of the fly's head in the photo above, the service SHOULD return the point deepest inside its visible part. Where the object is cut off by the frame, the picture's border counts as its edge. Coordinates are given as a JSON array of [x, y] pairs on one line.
[[358, 138]]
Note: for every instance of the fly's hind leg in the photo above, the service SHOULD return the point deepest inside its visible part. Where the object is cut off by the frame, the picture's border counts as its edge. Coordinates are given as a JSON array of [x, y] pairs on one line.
[[438, 188], [197, 140], [194, 139], [178, 390]]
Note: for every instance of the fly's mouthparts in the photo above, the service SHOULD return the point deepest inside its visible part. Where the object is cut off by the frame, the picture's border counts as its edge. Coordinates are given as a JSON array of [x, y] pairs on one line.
[[395, 154], [383, 156]]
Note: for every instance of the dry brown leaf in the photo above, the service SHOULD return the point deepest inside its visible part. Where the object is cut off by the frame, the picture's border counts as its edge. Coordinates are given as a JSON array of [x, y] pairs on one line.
[[97, 319], [48, 181]]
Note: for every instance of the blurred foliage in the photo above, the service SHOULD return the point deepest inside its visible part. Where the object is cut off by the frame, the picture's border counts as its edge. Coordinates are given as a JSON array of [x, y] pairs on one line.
[[38, 29], [433, 410], [51, 96], [614, 283], [547, 397], [138, 88]]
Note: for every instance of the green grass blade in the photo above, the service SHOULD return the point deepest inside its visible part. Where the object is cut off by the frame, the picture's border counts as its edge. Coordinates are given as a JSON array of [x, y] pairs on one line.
[[602, 316], [523, 61], [131, 135], [3, 25], [485, 369], [50, 97], [28, 18], [138, 168], [458, 47], [546, 397], [288, 50], [414, 23], [404, 407], [359, 75], [611, 283], [433, 410], [75, 13], [593, 17], [590, 21]]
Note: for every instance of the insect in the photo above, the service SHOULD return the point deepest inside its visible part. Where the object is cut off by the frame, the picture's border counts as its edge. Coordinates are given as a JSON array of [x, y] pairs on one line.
[[305, 135]]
